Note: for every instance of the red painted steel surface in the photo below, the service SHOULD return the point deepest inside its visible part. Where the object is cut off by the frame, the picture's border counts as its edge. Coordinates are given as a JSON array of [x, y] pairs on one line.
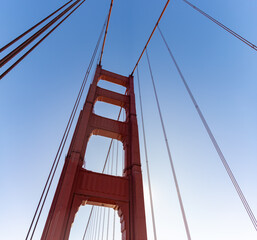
[[78, 186]]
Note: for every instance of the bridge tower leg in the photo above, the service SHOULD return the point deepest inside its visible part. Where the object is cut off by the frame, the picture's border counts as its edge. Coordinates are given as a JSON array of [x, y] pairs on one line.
[[78, 186]]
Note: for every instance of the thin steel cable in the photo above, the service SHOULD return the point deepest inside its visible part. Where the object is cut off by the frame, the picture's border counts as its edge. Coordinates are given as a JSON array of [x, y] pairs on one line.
[[222, 26], [108, 153], [108, 166], [66, 132], [117, 158], [213, 140], [112, 172], [169, 153], [96, 223], [30, 29], [105, 164], [159, 19], [23, 45], [93, 224], [108, 214], [90, 228], [90, 214], [123, 153], [86, 77], [118, 118], [103, 224], [112, 158], [99, 226], [74, 112], [42, 39], [108, 224], [113, 229], [106, 30], [146, 156]]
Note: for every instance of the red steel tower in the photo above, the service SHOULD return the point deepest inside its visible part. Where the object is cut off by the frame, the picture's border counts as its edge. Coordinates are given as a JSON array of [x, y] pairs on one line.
[[78, 186]]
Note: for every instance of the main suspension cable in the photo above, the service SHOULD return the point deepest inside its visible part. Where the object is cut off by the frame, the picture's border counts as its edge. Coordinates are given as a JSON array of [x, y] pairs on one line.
[[222, 26], [159, 19], [32, 48], [169, 153], [146, 156], [109, 15], [213, 140], [18, 49], [32, 28], [63, 140]]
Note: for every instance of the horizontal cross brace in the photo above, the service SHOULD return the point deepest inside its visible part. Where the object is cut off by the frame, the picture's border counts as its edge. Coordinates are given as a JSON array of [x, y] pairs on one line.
[[111, 97], [102, 188], [114, 78]]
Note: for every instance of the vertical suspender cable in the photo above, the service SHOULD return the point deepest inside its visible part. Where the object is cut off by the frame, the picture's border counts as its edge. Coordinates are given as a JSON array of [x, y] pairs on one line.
[[117, 158], [107, 170], [214, 142], [105, 164], [112, 157], [123, 153], [103, 224], [113, 227], [108, 224], [96, 210], [116, 173], [93, 225], [169, 153], [108, 211], [90, 228], [29, 30], [113, 172], [108, 214], [99, 224], [64, 138], [90, 215], [96, 222], [146, 156]]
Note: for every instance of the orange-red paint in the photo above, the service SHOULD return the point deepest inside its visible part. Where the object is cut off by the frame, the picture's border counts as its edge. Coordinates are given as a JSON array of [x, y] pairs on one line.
[[78, 186]]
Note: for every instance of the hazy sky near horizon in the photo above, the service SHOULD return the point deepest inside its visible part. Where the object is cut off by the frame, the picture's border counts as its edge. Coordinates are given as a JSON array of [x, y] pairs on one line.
[[37, 97]]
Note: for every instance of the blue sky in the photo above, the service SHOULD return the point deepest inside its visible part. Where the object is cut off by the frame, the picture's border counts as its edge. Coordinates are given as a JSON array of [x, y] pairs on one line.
[[36, 99]]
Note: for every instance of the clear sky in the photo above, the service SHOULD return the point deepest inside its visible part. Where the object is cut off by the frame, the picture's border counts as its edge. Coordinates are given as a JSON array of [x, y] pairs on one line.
[[36, 99]]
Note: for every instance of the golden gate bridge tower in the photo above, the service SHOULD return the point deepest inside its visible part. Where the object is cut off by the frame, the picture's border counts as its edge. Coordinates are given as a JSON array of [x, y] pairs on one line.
[[78, 186]]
